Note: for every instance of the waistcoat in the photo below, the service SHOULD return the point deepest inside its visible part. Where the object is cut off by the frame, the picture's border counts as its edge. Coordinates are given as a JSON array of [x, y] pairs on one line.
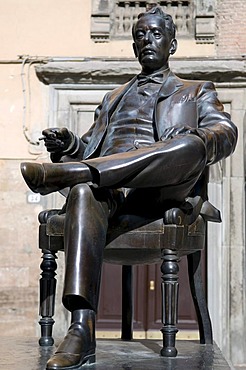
[[131, 124]]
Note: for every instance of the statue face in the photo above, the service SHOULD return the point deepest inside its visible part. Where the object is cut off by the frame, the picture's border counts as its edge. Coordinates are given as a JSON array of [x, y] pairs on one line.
[[153, 44]]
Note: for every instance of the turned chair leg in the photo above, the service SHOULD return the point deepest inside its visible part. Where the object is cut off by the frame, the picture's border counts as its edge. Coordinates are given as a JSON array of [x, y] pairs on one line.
[[127, 303], [195, 278], [170, 287], [47, 285]]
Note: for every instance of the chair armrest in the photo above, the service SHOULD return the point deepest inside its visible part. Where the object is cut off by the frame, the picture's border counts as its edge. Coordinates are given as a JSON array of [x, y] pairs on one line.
[[186, 214], [189, 211], [46, 214], [51, 220]]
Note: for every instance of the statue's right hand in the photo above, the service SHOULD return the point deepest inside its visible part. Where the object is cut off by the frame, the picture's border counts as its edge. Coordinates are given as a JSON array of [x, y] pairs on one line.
[[56, 140]]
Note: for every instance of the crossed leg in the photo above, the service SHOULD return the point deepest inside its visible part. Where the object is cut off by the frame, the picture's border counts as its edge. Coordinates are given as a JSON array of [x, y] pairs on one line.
[[171, 162]]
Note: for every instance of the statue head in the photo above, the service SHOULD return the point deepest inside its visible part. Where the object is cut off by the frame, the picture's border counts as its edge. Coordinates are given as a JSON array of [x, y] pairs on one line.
[[154, 39]]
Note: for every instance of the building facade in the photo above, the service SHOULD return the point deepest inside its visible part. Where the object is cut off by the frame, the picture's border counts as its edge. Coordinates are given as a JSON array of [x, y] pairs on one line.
[[57, 60]]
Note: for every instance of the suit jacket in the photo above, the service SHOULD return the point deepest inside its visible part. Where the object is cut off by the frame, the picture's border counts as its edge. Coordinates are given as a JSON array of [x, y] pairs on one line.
[[180, 103]]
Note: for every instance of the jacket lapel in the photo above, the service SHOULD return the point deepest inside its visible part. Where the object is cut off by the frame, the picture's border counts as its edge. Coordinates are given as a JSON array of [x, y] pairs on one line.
[[104, 117], [169, 87], [117, 94]]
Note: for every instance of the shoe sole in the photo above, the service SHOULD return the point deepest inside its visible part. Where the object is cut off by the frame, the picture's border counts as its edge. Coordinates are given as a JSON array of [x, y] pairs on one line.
[[88, 360]]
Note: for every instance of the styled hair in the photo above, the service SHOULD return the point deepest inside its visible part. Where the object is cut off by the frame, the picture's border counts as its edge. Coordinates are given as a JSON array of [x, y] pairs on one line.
[[156, 10]]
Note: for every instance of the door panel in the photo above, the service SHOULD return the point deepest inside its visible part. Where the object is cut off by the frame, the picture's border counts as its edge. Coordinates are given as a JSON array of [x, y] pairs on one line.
[[109, 312], [147, 298]]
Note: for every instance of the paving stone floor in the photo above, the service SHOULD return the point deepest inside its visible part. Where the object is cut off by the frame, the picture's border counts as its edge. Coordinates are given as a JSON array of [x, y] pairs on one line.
[[25, 354]]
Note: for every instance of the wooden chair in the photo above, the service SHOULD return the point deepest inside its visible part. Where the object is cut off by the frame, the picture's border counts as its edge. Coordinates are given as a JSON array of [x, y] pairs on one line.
[[181, 232]]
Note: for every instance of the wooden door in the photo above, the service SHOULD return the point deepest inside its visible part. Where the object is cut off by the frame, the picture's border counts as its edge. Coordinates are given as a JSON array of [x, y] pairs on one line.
[[147, 298]]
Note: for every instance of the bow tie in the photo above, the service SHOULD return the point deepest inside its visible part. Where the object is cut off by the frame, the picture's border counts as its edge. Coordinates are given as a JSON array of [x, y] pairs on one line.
[[144, 79]]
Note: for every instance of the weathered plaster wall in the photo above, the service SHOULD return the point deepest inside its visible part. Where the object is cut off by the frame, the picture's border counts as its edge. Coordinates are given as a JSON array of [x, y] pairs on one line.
[[58, 28], [62, 28]]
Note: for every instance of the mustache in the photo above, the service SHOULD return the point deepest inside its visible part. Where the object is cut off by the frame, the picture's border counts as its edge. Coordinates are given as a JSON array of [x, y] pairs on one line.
[[147, 49]]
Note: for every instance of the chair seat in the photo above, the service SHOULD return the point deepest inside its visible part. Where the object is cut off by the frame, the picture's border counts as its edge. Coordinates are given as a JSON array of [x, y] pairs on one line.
[[141, 245]]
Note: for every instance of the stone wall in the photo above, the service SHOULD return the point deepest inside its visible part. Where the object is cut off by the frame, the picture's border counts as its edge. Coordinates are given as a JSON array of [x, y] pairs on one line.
[[230, 37], [38, 30], [19, 272]]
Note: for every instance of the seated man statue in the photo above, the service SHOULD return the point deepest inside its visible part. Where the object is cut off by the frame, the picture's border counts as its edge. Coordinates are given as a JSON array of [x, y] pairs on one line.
[[148, 147]]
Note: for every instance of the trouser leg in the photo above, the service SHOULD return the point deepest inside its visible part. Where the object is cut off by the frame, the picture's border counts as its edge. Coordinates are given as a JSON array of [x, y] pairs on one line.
[[84, 241], [171, 162], [85, 230], [161, 164]]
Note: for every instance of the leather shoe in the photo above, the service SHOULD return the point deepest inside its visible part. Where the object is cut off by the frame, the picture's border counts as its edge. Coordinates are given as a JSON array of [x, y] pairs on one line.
[[78, 346], [34, 175], [45, 178]]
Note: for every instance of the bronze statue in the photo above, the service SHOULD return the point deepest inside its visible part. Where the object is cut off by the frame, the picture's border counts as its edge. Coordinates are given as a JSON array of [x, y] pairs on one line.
[[149, 146]]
